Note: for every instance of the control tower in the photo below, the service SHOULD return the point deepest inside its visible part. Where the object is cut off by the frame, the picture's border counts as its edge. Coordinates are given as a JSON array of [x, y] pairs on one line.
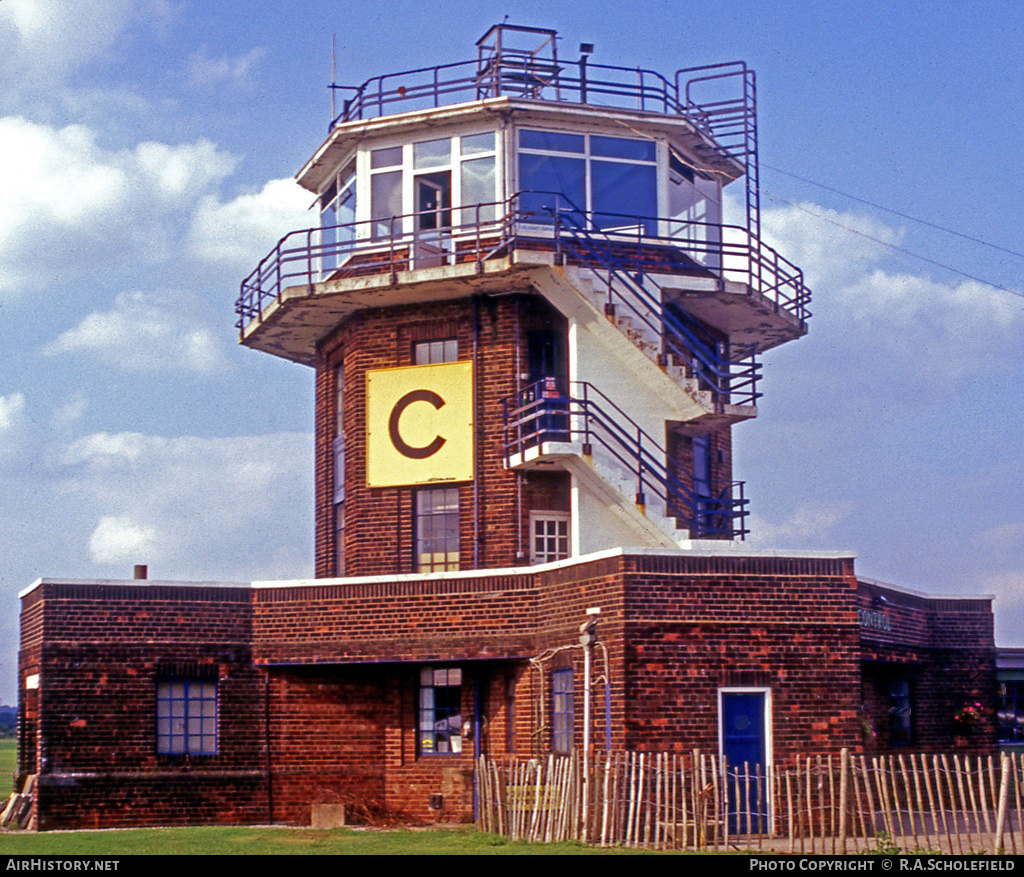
[[531, 328]]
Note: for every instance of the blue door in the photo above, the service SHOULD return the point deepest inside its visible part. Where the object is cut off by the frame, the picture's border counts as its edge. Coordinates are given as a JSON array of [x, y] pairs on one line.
[[744, 745]]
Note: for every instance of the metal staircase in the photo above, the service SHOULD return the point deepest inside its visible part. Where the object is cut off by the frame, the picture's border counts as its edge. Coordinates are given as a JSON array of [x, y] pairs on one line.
[[586, 427], [636, 303]]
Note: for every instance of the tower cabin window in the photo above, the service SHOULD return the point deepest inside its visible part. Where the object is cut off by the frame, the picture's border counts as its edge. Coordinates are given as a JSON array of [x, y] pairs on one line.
[[415, 188], [613, 180], [695, 210], [337, 220]]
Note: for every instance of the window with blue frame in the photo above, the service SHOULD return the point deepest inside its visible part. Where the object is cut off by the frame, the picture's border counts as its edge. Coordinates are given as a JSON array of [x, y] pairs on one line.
[[440, 711], [186, 717], [561, 710]]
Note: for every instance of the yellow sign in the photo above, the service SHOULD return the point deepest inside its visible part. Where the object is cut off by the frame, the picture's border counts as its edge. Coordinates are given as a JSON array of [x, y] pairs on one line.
[[419, 424]]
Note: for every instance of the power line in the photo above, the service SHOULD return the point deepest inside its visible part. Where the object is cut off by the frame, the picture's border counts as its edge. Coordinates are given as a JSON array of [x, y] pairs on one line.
[[958, 234], [950, 268]]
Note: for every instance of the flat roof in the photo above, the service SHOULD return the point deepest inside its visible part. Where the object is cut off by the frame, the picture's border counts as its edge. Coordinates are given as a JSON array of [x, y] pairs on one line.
[[700, 548]]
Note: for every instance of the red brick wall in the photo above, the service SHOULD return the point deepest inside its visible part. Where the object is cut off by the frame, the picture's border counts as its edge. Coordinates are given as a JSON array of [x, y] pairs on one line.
[[104, 649], [328, 674], [694, 625], [945, 649]]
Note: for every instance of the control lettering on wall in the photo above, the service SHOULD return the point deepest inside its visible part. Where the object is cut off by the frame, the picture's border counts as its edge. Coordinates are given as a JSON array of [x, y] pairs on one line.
[[873, 620], [419, 425]]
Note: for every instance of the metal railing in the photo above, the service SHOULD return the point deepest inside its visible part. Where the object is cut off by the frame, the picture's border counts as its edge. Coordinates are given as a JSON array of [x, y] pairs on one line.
[[496, 229], [540, 414], [632, 88], [623, 266]]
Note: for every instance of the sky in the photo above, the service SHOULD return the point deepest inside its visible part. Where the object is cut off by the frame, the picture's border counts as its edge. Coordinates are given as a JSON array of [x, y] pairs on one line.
[[147, 158]]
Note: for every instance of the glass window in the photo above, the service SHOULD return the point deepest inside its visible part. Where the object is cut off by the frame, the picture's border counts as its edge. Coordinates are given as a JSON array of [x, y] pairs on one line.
[[549, 536], [477, 182], [900, 713], [620, 147], [440, 711], [435, 352], [390, 157], [1011, 712], [551, 141], [186, 717], [474, 143], [432, 153], [694, 205], [337, 220], [613, 179], [437, 529], [385, 202], [541, 175], [621, 191], [561, 710]]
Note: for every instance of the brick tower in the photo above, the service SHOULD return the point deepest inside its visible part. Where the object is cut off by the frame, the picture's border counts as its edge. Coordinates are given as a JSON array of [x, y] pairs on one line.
[[531, 329]]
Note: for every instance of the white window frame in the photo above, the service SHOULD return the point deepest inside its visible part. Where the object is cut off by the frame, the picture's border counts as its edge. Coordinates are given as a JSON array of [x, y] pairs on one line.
[[364, 173], [548, 516]]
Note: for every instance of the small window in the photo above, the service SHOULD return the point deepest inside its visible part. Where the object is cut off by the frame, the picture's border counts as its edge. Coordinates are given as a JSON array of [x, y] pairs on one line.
[[435, 352], [561, 710], [440, 711], [437, 529], [186, 717], [549, 536]]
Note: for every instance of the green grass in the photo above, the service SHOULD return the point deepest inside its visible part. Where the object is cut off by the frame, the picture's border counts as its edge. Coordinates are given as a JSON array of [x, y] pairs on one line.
[[8, 761], [277, 841]]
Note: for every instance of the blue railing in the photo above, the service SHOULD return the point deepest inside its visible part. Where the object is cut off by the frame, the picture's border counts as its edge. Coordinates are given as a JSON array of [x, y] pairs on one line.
[[632, 88], [541, 414], [491, 230], [730, 374]]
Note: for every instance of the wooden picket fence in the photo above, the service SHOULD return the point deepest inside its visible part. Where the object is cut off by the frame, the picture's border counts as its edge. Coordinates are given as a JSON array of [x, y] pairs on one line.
[[828, 803]]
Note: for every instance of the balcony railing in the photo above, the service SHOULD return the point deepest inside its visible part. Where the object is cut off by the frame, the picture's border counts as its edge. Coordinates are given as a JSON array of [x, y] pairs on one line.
[[632, 88], [487, 231], [541, 414]]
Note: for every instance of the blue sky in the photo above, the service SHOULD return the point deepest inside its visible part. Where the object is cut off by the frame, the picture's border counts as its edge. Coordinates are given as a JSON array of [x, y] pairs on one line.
[[149, 149]]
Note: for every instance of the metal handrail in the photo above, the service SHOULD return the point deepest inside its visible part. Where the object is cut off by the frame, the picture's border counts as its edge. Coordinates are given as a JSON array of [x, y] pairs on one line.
[[539, 414], [633, 88], [732, 375], [492, 229]]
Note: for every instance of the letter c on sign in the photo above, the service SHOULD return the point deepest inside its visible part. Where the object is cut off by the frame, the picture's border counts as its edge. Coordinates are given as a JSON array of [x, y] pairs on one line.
[[400, 444]]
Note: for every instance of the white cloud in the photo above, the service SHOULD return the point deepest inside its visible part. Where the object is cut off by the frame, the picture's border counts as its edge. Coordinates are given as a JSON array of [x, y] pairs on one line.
[[205, 71], [233, 507], [876, 323], [12, 412], [118, 539], [830, 247], [240, 232], [69, 412], [14, 427], [66, 202], [55, 36], [811, 524], [146, 332]]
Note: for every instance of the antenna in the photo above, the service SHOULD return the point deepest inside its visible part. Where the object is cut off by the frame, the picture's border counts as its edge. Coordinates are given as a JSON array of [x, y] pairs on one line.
[[334, 63]]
